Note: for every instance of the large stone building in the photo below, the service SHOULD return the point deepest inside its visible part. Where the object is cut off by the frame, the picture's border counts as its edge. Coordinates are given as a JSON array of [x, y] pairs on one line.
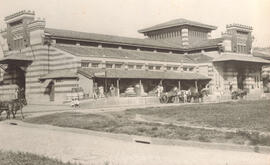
[[49, 63], [265, 54]]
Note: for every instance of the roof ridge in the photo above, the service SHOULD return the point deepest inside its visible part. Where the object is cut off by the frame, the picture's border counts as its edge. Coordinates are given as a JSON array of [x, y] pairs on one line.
[[95, 33], [131, 50], [176, 22], [122, 53], [112, 38]]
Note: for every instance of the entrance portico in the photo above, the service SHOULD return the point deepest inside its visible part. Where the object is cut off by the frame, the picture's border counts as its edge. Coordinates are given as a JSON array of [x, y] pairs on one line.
[[240, 72], [145, 81], [14, 75]]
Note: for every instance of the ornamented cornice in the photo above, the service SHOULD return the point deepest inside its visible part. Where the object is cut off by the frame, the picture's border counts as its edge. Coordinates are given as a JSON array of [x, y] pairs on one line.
[[19, 13]]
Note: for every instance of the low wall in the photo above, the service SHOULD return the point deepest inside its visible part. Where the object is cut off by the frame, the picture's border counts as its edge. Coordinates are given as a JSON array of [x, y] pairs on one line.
[[266, 96], [119, 101]]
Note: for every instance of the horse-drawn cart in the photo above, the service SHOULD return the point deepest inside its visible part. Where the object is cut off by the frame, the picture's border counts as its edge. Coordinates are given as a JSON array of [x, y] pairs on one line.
[[182, 96], [12, 106], [173, 96], [169, 97]]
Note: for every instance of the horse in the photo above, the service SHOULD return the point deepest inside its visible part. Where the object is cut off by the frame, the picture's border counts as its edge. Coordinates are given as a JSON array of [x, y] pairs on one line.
[[238, 94], [5, 106], [197, 95], [173, 96], [11, 107]]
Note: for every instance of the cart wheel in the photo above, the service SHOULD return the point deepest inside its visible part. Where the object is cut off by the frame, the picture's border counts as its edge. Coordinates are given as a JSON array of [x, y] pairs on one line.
[[164, 99], [175, 99]]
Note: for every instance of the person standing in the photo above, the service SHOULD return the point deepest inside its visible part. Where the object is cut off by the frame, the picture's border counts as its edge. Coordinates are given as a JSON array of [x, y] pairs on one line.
[[95, 91], [101, 92], [230, 86], [16, 93], [112, 90], [159, 90]]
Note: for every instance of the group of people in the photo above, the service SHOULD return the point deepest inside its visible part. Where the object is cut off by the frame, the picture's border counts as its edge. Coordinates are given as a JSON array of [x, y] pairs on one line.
[[159, 90], [98, 91]]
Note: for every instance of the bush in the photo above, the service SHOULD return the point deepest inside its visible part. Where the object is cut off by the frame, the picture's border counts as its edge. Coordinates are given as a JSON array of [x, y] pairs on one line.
[[202, 138], [20, 158]]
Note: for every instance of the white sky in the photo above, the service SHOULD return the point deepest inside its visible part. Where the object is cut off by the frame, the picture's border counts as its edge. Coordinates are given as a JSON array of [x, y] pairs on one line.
[[125, 17]]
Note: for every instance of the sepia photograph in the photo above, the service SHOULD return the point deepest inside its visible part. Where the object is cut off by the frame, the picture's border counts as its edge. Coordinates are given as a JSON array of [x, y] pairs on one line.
[[134, 82]]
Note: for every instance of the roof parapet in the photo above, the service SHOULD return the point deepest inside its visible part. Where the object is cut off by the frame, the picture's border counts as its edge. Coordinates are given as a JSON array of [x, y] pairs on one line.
[[28, 12], [177, 22], [236, 25]]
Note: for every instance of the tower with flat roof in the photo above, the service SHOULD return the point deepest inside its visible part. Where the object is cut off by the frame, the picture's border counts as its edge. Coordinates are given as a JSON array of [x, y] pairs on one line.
[[180, 31], [240, 36], [21, 26]]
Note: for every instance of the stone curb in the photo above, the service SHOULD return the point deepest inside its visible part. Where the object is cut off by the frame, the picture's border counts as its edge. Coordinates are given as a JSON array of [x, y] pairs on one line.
[[156, 141]]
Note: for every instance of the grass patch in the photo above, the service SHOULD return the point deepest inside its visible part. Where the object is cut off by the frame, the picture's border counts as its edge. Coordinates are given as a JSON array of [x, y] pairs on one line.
[[20, 158], [243, 115], [250, 115]]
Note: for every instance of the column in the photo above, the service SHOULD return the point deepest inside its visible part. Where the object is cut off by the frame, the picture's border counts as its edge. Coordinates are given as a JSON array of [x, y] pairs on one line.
[[140, 90], [118, 87], [196, 85]]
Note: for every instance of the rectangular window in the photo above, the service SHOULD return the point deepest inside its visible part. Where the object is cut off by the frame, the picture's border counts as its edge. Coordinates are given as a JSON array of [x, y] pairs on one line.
[[109, 65], [139, 66], [184, 69], [130, 66], [191, 69], [169, 68], [238, 48], [151, 67], [94, 65], [175, 68], [85, 64], [244, 49], [118, 66], [158, 67]]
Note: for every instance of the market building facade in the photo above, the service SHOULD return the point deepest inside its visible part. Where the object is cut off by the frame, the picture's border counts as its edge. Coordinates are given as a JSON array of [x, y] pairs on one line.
[[49, 64]]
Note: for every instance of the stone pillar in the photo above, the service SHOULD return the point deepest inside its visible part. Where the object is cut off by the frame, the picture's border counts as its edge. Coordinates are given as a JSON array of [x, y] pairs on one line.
[[196, 85], [118, 87], [179, 84]]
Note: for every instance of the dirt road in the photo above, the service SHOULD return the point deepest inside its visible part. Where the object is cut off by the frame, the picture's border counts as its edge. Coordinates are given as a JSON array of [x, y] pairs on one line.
[[92, 149]]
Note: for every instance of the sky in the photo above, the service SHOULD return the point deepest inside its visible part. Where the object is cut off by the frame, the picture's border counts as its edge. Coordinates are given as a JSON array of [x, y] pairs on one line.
[[126, 17]]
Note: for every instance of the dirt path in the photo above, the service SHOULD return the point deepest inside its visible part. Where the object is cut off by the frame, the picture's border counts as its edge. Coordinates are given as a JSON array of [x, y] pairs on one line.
[[33, 110], [88, 149], [142, 118]]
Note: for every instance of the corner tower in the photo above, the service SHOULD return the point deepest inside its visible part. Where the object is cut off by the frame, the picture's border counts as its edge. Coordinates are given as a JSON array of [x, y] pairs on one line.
[[21, 28], [240, 36]]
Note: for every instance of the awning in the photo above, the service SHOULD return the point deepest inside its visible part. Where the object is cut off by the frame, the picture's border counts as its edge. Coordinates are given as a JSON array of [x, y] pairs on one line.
[[140, 74], [46, 83], [60, 74], [16, 58], [243, 58]]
